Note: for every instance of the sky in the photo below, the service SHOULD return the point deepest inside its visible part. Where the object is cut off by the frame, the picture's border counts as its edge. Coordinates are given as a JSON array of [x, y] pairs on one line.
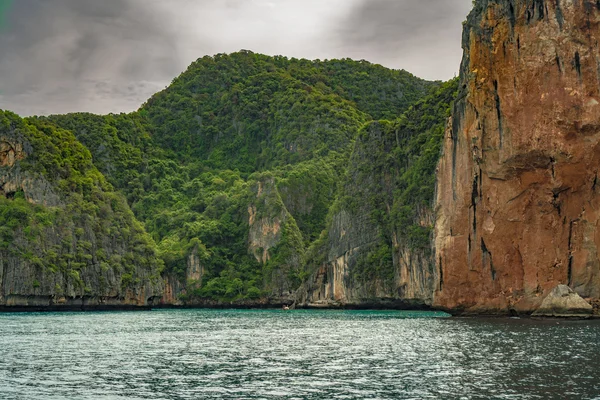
[[102, 56]]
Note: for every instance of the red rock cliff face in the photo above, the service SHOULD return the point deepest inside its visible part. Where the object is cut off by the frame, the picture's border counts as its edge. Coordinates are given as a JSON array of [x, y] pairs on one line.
[[518, 197]]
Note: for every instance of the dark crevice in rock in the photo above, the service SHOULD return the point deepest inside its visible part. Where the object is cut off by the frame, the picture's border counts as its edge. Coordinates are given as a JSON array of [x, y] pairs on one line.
[[441, 272], [459, 111], [558, 64], [570, 247], [541, 8], [577, 64], [469, 249], [535, 11], [474, 200], [570, 270], [486, 256], [499, 114], [469, 244], [589, 7], [539, 4], [560, 18], [511, 14], [595, 183], [556, 203]]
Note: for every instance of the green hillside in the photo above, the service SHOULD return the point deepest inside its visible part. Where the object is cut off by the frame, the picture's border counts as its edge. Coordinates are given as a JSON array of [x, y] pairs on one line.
[[64, 230], [244, 142]]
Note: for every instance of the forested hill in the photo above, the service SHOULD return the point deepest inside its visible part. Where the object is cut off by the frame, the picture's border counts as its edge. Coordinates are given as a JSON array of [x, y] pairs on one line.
[[234, 168], [249, 112]]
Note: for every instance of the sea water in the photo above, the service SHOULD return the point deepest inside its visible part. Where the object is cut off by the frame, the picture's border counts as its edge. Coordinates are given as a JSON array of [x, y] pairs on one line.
[[297, 354]]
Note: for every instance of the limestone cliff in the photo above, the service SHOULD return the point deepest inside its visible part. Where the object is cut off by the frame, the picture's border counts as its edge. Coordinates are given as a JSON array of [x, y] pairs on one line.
[[176, 288], [376, 250], [66, 239], [274, 243], [518, 197], [274, 239], [360, 261]]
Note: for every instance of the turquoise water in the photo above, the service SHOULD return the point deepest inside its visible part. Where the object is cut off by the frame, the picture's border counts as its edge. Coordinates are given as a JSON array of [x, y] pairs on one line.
[[198, 354]]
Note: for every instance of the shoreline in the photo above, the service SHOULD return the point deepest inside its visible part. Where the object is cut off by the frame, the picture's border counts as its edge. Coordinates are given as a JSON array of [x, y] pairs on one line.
[[271, 307]]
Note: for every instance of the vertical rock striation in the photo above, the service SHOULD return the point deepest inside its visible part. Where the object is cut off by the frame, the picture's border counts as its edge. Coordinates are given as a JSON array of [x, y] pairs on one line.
[[518, 195], [361, 262], [376, 249], [274, 240], [67, 240]]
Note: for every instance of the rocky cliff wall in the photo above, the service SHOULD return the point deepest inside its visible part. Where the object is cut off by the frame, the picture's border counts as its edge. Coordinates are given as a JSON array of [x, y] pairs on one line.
[[66, 240], [518, 195], [364, 259], [274, 240]]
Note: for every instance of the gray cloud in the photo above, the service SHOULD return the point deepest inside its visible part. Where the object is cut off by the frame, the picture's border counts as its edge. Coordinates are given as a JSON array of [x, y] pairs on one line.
[[65, 55], [421, 36], [102, 56]]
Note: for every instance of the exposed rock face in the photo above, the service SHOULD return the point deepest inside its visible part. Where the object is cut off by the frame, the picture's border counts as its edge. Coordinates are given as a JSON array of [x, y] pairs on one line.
[[77, 259], [14, 148], [518, 198], [361, 262], [10, 152], [274, 236], [265, 229], [562, 301], [195, 269], [175, 287]]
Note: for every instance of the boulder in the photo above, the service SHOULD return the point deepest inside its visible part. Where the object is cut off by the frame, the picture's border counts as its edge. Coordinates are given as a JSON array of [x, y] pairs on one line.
[[562, 301]]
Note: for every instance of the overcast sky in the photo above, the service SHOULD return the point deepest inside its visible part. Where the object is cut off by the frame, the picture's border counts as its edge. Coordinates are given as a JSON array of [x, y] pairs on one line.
[[59, 56]]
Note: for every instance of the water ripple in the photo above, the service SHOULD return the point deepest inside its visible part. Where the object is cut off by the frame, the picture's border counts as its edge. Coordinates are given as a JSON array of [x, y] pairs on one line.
[[225, 354]]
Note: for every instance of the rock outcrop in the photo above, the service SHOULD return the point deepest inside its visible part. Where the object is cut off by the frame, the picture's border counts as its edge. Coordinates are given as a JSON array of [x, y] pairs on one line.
[[67, 241], [274, 240], [376, 250], [176, 288], [518, 195], [361, 262], [563, 302]]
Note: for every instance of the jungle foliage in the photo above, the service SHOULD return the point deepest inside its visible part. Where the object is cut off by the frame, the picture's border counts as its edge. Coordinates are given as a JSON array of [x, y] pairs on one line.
[[90, 224], [188, 160]]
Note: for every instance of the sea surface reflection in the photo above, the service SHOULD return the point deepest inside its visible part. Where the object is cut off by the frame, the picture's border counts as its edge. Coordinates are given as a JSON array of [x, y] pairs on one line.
[[232, 354]]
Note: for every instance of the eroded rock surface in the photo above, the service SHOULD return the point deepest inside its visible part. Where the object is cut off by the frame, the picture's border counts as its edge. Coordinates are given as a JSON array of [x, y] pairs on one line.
[[361, 262], [56, 252], [518, 198], [273, 232], [562, 301]]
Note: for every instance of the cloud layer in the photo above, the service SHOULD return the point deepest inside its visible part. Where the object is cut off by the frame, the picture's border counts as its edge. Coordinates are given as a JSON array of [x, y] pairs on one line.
[[421, 36], [104, 56]]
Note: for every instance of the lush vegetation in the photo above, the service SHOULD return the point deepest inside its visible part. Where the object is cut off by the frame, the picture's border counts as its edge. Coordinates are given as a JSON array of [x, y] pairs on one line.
[[87, 224], [247, 111], [388, 189], [419, 134], [189, 163]]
